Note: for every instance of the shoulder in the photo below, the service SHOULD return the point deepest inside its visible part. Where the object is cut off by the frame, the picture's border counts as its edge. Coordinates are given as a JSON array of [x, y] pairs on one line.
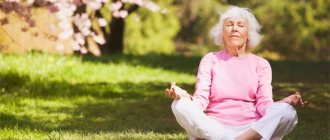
[[262, 64], [260, 61], [210, 57]]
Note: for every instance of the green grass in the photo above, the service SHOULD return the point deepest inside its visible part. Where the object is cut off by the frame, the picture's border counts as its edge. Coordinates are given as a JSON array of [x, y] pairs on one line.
[[121, 97]]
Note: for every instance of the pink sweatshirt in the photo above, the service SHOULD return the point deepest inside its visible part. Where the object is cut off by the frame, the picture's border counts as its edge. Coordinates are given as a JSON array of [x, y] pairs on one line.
[[235, 91]]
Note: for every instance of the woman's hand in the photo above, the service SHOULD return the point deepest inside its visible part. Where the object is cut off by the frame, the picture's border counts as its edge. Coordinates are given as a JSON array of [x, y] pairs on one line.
[[176, 92], [294, 100]]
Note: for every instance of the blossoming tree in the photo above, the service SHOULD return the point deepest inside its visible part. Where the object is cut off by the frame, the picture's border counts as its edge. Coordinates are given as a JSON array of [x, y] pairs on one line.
[[76, 17]]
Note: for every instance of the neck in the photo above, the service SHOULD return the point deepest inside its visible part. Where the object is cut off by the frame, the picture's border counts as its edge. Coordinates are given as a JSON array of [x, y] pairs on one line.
[[236, 51]]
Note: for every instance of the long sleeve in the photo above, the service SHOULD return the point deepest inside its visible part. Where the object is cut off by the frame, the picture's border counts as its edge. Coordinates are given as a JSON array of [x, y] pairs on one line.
[[264, 96], [203, 83]]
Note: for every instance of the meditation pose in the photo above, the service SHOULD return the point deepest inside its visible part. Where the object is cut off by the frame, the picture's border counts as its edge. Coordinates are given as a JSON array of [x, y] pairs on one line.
[[233, 96]]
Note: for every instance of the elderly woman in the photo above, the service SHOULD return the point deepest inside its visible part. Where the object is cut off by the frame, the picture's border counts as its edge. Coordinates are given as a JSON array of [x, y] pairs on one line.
[[233, 92]]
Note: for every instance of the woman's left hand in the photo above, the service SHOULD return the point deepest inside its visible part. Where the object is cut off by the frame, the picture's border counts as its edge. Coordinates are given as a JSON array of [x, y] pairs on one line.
[[294, 100]]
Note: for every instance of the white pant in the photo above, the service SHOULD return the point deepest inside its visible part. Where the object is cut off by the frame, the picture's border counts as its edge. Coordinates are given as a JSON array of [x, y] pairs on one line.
[[280, 119]]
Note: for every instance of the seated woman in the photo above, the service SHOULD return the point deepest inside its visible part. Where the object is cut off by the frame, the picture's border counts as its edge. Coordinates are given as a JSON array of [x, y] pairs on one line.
[[233, 92]]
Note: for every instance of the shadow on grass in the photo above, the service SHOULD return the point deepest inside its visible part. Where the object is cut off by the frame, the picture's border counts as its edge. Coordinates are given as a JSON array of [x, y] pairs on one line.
[[283, 71], [12, 81], [114, 107], [12, 121], [169, 62], [301, 72]]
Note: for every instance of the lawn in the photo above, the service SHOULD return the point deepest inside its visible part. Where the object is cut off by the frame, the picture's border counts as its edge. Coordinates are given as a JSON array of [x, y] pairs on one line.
[[122, 96]]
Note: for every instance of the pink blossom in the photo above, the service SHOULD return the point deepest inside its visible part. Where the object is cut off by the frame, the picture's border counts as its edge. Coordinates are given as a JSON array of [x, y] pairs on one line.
[[137, 2], [66, 34], [30, 1], [83, 50], [95, 5], [116, 14], [79, 38], [13, 1], [99, 39], [65, 11], [65, 24], [151, 6], [115, 6], [75, 46], [102, 22], [120, 14], [123, 13], [83, 23]]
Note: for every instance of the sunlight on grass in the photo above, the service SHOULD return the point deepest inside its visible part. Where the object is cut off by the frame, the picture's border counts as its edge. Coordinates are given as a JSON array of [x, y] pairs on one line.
[[72, 69], [122, 97], [76, 135]]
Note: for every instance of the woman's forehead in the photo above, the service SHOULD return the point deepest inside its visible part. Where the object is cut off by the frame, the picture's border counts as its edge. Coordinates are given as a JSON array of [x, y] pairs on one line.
[[236, 18]]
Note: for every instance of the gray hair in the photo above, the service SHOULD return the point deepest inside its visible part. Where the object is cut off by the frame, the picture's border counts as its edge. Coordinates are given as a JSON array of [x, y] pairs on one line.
[[254, 36]]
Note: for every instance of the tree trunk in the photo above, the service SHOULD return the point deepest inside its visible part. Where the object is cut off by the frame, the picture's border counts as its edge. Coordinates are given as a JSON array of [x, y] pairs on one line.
[[116, 37]]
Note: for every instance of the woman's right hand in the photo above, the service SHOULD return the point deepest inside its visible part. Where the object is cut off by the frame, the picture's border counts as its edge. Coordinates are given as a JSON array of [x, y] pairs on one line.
[[176, 92]]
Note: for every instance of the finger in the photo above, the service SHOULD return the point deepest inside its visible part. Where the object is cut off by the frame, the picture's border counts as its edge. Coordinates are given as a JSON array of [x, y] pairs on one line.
[[171, 89], [175, 88], [174, 94], [295, 102], [171, 93], [172, 84], [167, 92], [295, 99], [298, 97], [300, 100], [177, 97]]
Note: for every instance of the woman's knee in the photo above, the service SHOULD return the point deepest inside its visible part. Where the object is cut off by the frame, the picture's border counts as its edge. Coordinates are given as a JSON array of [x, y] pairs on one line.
[[179, 105], [288, 112]]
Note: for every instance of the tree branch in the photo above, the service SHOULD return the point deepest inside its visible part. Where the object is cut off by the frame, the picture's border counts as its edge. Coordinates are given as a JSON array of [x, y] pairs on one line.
[[132, 8]]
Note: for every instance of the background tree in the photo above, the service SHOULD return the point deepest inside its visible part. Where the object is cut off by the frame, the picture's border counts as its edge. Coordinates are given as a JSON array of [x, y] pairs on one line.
[[77, 18], [293, 30]]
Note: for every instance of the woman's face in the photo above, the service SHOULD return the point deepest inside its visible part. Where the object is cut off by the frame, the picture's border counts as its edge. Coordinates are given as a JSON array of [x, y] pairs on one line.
[[235, 32]]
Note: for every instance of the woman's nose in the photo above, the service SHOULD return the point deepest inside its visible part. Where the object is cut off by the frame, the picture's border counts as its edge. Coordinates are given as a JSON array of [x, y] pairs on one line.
[[234, 28]]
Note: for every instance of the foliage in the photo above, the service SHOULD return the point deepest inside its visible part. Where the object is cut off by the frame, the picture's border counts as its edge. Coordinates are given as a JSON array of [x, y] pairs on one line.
[[296, 30], [122, 96], [151, 32], [196, 19]]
